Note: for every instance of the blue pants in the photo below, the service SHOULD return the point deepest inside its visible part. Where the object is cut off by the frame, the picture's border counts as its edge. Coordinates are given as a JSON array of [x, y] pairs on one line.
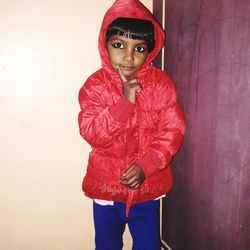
[[143, 223]]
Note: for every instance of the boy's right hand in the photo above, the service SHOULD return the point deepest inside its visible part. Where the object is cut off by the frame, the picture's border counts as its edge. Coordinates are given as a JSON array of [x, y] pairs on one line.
[[130, 87]]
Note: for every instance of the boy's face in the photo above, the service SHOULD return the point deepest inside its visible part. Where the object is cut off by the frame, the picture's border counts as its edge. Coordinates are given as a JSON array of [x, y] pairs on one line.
[[128, 54]]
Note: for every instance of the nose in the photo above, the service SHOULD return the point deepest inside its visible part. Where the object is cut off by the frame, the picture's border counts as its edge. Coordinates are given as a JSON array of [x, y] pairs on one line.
[[128, 55]]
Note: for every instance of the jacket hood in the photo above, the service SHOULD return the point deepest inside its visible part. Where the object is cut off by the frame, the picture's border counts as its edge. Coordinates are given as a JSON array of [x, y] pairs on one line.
[[129, 9]]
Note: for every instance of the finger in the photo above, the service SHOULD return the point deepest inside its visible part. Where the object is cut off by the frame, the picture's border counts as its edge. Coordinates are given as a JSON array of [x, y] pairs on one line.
[[130, 177], [138, 89], [132, 82], [132, 85], [125, 183], [128, 171], [122, 178], [125, 179], [135, 185], [131, 174], [128, 181], [131, 184], [121, 75]]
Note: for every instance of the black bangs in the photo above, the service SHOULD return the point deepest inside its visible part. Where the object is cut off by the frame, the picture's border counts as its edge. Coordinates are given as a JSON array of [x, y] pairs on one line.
[[134, 29]]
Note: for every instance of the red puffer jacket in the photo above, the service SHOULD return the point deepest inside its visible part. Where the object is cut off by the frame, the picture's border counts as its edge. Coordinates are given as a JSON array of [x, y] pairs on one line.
[[121, 133]]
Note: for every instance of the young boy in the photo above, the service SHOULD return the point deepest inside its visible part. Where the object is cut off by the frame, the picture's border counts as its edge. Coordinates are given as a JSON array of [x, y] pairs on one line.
[[131, 118]]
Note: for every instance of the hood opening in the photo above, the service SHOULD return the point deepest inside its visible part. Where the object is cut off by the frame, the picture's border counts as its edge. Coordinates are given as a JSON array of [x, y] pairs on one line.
[[130, 9], [134, 29]]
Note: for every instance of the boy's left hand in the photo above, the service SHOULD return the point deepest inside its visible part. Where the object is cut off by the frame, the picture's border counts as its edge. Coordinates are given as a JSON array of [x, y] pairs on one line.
[[133, 177]]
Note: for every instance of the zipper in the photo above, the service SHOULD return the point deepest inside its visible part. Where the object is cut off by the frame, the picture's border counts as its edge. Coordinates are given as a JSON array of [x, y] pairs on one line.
[[130, 192], [139, 126]]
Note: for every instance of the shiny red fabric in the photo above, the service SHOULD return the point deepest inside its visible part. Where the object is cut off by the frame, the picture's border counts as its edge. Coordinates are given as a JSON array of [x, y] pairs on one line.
[[121, 133]]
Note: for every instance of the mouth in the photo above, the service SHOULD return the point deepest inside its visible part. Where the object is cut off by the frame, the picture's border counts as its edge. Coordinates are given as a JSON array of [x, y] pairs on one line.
[[127, 67]]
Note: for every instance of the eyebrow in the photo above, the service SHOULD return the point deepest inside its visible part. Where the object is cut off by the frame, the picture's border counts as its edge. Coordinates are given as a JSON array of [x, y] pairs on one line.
[[120, 39]]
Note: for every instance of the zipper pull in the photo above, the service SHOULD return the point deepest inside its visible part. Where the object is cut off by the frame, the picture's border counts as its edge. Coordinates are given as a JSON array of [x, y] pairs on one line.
[[129, 201]]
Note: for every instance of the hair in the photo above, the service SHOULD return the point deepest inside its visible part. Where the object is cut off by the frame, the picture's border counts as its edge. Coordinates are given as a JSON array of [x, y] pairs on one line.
[[134, 29]]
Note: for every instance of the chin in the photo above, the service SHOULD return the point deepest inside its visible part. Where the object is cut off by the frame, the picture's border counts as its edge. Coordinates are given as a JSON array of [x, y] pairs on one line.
[[128, 73]]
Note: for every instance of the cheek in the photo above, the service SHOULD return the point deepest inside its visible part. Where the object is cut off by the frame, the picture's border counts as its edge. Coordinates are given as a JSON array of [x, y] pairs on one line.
[[141, 60], [113, 57], [112, 62]]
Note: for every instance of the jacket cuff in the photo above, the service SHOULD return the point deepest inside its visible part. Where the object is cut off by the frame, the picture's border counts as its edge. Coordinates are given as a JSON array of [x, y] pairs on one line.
[[122, 110], [149, 163]]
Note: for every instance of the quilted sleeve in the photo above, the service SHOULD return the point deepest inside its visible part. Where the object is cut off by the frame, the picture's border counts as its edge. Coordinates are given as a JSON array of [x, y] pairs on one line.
[[168, 139], [100, 123]]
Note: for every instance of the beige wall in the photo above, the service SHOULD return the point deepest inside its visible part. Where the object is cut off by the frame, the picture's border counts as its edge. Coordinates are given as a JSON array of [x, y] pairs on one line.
[[47, 49]]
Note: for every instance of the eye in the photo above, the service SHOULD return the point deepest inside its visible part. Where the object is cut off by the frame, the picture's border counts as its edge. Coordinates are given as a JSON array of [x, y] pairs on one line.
[[118, 45], [141, 48]]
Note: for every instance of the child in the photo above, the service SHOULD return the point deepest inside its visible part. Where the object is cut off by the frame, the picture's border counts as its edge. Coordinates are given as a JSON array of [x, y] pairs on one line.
[[131, 118]]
